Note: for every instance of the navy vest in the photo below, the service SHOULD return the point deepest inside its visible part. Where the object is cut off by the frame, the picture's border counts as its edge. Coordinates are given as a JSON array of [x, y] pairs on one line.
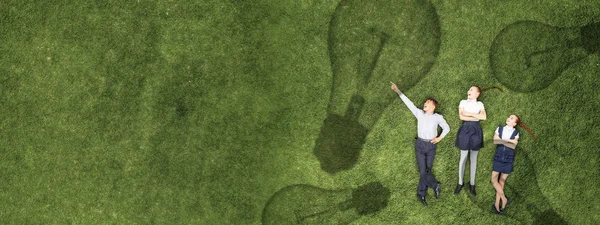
[[503, 153]]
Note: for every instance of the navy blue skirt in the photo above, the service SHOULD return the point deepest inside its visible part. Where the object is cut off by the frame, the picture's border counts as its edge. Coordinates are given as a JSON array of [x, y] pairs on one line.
[[504, 160], [470, 136], [503, 167]]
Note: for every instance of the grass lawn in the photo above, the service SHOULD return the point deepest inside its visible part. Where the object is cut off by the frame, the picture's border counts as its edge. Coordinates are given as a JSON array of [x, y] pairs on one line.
[[273, 112]]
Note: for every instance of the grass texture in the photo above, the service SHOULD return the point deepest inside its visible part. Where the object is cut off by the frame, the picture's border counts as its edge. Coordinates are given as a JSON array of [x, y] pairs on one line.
[[258, 112]]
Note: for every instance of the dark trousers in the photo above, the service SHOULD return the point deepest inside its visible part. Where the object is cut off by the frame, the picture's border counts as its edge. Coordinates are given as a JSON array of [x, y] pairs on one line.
[[425, 152]]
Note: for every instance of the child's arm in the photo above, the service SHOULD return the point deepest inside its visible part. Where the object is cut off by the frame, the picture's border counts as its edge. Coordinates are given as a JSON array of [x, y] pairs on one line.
[[508, 143], [480, 116], [445, 130], [463, 115], [411, 106]]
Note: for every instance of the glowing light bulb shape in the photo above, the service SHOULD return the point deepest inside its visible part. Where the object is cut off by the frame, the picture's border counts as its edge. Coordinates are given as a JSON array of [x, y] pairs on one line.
[[527, 56], [306, 204], [370, 44]]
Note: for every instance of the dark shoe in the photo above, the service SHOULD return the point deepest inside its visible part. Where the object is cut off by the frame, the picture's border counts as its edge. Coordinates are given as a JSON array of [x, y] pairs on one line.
[[472, 187], [495, 210], [437, 190], [422, 199], [507, 202], [458, 188]]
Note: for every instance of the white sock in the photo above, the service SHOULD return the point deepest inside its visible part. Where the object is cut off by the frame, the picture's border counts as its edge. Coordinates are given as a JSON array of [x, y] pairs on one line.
[[461, 165], [473, 166]]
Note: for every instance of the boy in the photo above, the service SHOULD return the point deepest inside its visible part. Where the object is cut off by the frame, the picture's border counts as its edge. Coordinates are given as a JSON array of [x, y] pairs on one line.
[[425, 145]]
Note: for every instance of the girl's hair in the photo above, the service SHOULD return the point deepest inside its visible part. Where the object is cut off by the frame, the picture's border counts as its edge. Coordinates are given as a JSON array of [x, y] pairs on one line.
[[519, 123], [488, 88]]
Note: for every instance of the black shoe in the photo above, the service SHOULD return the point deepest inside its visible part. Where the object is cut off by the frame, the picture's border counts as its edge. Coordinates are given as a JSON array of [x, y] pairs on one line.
[[437, 190], [458, 188], [495, 210], [472, 187], [422, 199]]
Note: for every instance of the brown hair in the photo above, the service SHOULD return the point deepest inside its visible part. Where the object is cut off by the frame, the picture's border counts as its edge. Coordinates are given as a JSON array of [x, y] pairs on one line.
[[519, 123], [435, 102]]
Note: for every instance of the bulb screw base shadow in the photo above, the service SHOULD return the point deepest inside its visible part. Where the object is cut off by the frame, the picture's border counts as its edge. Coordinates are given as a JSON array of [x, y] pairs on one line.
[[590, 38], [340, 142]]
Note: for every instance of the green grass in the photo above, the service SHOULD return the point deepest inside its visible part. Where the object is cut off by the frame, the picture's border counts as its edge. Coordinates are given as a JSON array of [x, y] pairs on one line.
[[179, 112]]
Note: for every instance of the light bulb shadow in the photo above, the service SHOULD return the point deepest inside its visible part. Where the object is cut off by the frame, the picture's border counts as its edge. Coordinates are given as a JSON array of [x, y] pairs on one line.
[[527, 193], [528, 203], [527, 56], [370, 44], [306, 204]]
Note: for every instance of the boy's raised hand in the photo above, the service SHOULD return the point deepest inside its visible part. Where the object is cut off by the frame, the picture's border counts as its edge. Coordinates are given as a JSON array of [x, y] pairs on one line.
[[395, 88]]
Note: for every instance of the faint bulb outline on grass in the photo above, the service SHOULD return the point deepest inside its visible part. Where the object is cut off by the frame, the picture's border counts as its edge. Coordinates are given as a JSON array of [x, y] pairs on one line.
[[539, 209], [527, 56], [306, 204], [370, 44]]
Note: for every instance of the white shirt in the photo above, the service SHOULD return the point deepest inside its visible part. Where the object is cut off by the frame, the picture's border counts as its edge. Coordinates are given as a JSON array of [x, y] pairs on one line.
[[507, 132], [427, 123], [471, 106]]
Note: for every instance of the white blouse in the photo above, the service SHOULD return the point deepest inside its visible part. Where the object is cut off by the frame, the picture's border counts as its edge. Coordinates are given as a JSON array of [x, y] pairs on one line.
[[506, 132], [471, 106]]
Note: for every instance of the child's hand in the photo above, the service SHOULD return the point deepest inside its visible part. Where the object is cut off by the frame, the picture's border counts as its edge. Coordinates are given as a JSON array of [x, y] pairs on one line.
[[395, 88]]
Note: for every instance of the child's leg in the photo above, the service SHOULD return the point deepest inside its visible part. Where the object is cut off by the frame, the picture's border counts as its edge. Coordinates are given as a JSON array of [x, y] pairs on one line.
[[497, 186], [461, 165], [501, 182], [473, 166]]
